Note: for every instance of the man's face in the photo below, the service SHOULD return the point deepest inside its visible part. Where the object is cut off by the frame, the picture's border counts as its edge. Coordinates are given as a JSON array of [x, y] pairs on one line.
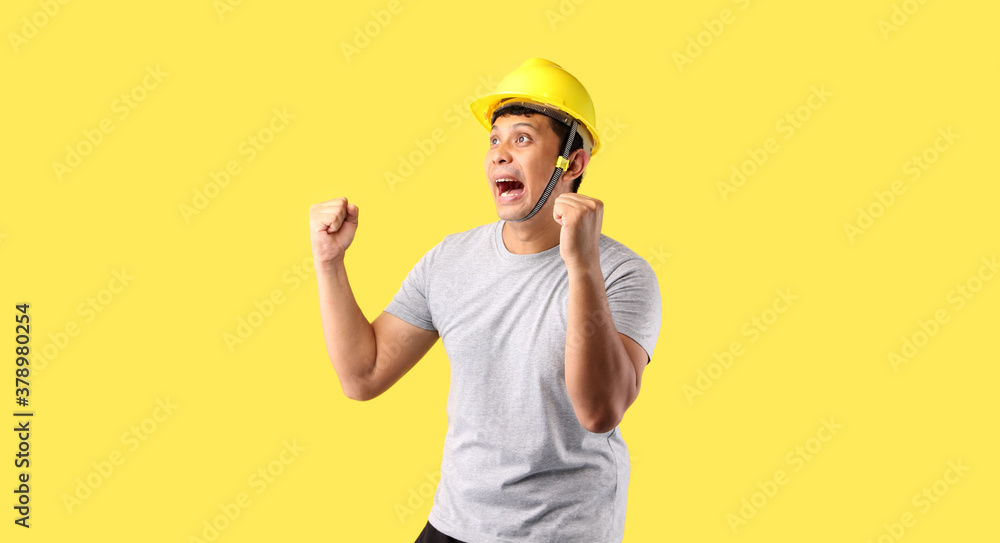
[[521, 157]]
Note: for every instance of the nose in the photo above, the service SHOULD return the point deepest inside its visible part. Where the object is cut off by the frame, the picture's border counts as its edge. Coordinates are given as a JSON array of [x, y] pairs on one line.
[[500, 154]]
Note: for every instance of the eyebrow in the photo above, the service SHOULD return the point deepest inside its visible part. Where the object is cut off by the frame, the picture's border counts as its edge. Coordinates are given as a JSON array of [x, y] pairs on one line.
[[517, 124]]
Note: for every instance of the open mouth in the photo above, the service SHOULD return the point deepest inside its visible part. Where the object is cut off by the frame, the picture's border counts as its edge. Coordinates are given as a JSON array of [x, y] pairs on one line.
[[509, 188]]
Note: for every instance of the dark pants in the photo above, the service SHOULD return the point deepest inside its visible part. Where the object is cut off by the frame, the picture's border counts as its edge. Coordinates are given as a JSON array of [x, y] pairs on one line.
[[431, 535]]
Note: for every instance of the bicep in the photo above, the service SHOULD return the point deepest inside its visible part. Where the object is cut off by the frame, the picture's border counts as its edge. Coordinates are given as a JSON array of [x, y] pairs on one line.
[[634, 301], [639, 359], [399, 345]]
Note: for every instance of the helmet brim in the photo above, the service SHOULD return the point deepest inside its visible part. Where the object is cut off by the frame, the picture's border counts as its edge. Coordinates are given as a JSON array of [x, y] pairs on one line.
[[484, 107]]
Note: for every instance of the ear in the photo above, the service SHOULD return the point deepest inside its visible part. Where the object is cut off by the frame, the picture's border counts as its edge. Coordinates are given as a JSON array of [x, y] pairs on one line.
[[578, 161]]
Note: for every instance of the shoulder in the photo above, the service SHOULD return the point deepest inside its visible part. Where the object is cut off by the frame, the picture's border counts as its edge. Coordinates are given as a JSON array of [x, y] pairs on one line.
[[615, 254]]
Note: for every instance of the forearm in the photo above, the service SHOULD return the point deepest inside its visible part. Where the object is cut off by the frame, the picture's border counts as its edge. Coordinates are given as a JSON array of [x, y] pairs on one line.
[[349, 337], [600, 377]]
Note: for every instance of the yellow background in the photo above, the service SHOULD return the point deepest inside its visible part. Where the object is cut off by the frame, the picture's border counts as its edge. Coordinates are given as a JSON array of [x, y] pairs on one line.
[[673, 132]]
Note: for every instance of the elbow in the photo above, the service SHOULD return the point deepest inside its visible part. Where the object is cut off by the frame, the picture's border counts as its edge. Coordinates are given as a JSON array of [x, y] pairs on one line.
[[600, 416], [356, 388], [356, 393], [600, 422]]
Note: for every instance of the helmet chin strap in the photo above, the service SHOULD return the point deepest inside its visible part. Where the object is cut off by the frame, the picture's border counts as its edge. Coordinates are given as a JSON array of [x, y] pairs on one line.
[[562, 163]]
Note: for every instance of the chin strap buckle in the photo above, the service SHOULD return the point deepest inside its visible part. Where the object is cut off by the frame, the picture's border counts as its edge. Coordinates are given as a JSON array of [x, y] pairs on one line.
[[562, 163]]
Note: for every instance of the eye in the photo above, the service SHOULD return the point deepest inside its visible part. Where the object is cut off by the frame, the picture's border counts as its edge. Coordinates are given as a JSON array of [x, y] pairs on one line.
[[522, 138], [493, 140]]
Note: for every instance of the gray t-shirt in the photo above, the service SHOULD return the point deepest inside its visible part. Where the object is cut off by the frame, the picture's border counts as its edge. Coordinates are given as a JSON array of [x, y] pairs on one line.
[[517, 464]]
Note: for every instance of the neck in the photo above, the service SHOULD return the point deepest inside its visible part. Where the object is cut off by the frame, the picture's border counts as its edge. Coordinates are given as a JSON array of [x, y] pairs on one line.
[[531, 236]]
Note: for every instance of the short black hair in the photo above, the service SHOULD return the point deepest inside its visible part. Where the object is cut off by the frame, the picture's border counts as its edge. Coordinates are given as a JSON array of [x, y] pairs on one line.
[[560, 128]]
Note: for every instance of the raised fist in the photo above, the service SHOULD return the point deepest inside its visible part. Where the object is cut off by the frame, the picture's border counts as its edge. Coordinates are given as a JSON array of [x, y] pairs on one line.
[[332, 225]]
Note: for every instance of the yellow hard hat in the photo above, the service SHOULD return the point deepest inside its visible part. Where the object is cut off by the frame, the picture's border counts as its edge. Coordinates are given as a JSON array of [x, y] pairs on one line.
[[546, 83]]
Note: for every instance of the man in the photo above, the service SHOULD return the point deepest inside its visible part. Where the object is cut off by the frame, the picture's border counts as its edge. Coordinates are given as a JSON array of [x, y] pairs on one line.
[[547, 324]]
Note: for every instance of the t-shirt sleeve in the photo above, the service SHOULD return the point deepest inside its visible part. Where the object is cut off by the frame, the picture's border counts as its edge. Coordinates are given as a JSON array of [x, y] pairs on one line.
[[634, 299], [411, 303]]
